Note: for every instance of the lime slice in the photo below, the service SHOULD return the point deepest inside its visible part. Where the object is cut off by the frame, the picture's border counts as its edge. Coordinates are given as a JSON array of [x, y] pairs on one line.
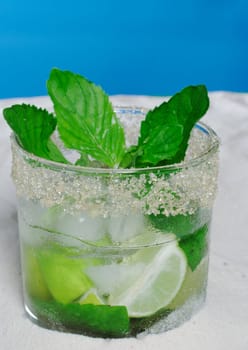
[[91, 297], [157, 285]]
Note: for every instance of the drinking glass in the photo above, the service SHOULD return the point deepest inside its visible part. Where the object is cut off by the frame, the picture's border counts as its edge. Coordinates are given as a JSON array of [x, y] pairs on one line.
[[116, 252]]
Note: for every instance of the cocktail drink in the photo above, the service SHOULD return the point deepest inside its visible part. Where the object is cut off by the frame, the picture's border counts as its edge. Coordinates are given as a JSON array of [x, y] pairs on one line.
[[114, 252]]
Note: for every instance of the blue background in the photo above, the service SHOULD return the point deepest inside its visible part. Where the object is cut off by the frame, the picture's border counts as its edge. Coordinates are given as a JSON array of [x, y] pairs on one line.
[[131, 47]]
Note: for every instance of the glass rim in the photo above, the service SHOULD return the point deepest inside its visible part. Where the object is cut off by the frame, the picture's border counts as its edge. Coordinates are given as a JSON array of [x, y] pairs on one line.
[[204, 128]]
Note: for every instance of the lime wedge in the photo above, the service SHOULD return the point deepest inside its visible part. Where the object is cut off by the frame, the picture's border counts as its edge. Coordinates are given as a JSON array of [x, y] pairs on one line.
[[33, 279], [64, 275], [91, 297], [94, 320], [161, 279]]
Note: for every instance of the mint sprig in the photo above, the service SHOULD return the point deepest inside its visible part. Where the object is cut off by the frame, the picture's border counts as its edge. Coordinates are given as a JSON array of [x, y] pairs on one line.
[[34, 127], [87, 123], [86, 120]]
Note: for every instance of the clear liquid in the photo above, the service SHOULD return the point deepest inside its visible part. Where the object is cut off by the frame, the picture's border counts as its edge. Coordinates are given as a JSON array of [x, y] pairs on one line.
[[111, 253], [72, 267]]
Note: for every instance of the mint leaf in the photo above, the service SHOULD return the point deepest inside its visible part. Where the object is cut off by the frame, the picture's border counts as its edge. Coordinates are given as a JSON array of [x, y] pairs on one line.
[[83, 160], [98, 320], [161, 143], [33, 127], [188, 106], [86, 120], [181, 225], [165, 132], [159, 116], [129, 158], [195, 246]]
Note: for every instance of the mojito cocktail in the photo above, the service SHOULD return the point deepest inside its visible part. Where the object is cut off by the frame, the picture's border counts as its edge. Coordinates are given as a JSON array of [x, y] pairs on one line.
[[116, 251]]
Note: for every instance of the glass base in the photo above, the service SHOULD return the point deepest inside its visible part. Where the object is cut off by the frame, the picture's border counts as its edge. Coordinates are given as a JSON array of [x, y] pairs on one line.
[[177, 317], [139, 327]]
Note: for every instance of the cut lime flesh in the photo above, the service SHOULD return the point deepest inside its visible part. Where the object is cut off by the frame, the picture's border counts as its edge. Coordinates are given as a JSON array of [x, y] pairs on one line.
[[63, 275], [157, 285], [91, 297]]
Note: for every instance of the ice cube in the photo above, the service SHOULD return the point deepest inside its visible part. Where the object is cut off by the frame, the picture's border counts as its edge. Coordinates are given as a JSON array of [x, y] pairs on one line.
[[82, 226], [31, 212], [124, 227], [107, 278], [56, 220], [31, 235]]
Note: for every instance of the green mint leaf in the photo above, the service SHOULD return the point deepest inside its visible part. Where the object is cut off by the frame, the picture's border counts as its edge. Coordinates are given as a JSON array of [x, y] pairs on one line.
[[165, 132], [86, 120], [98, 320], [159, 116], [33, 127], [86, 162], [181, 225], [195, 246], [83, 160], [161, 143], [130, 156], [188, 106]]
